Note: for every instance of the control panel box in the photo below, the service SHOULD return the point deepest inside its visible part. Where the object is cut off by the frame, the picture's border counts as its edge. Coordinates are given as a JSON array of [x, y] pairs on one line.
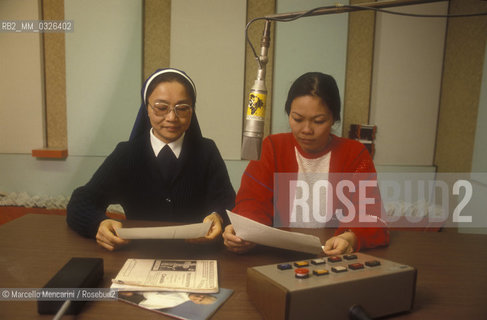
[[327, 287]]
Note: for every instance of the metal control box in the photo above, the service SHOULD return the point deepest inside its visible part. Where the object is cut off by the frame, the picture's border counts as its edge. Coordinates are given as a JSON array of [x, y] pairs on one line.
[[331, 287]]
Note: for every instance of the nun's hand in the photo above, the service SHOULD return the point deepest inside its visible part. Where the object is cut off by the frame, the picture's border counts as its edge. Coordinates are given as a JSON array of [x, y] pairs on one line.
[[215, 230], [107, 236]]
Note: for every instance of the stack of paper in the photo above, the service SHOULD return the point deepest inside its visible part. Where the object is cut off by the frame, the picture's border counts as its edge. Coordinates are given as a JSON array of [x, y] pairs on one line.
[[183, 289], [167, 275]]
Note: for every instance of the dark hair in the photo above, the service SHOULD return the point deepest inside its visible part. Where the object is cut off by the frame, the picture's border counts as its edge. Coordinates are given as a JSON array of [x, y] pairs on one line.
[[170, 77], [319, 85]]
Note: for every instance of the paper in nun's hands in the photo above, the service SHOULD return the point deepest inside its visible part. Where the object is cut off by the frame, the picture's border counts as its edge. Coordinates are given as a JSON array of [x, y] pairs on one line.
[[250, 230], [189, 231]]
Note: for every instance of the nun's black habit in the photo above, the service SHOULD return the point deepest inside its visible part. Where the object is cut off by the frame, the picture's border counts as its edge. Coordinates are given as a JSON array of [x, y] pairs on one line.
[[131, 176]]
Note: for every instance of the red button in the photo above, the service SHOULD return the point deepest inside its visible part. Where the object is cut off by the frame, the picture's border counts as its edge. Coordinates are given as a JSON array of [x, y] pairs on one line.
[[334, 259], [356, 266], [301, 273]]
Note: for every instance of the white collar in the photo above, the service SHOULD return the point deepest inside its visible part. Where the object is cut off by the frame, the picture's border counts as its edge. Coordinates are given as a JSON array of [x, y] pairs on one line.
[[158, 144]]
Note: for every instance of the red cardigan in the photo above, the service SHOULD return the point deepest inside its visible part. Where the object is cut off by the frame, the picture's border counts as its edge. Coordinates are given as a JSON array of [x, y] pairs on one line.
[[255, 198]]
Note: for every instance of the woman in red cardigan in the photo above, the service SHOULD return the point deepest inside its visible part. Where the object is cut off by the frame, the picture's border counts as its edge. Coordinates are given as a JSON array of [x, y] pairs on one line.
[[313, 106]]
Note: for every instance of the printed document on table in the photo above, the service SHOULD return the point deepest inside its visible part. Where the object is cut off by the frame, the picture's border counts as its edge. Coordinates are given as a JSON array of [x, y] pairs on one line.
[[189, 231], [256, 232], [168, 275]]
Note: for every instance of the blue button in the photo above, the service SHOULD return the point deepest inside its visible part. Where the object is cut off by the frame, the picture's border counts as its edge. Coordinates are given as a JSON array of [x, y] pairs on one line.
[[284, 266]]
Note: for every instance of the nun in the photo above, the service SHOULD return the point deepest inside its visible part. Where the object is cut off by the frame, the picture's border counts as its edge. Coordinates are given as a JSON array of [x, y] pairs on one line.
[[167, 170]]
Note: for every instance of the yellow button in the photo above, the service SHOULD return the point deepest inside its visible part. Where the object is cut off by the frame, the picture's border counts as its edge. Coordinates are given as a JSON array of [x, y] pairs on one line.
[[320, 272], [300, 264]]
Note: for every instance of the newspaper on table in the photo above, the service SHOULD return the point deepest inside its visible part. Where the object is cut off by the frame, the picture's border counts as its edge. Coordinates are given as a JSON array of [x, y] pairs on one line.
[[199, 276]]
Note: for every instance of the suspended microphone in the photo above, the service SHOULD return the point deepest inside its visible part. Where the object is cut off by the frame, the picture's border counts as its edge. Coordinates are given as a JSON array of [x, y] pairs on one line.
[[254, 118]]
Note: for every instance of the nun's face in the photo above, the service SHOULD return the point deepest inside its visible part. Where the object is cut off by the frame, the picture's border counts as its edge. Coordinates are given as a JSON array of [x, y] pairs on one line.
[[170, 126]]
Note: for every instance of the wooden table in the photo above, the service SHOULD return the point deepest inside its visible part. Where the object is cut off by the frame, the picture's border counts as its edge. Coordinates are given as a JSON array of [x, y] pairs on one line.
[[451, 284]]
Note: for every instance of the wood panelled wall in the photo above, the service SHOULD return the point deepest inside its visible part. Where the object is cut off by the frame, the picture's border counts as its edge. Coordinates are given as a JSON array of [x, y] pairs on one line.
[[54, 77], [462, 76], [464, 58]]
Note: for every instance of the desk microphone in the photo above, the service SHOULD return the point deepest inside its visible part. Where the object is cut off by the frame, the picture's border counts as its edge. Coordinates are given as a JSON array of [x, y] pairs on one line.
[[356, 312], [77, 273]]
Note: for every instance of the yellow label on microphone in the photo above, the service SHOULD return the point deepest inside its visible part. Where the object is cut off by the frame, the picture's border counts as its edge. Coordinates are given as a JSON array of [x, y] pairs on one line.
[[256, 107]]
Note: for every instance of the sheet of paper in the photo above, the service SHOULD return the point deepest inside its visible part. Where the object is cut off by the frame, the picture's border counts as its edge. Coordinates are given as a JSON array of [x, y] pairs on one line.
[[189, 231], [253, 231]]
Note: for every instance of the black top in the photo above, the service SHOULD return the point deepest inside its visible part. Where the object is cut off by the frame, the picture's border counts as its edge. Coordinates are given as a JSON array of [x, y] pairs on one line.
[[131, 176]]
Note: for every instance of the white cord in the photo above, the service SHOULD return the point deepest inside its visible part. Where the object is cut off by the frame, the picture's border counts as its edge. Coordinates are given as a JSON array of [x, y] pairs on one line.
[[62, 310]]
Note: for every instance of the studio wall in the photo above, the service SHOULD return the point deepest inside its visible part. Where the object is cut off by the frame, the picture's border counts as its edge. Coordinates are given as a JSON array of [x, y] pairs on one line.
[[407, 72], [104, 73], [22, 125]]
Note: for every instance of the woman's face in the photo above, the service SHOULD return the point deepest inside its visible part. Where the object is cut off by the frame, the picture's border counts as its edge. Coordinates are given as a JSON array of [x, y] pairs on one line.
[[311, 120], [170, 127]]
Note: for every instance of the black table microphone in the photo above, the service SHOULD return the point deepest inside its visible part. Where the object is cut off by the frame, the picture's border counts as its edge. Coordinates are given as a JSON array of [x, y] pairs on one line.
[[77, 273], [356, 312]]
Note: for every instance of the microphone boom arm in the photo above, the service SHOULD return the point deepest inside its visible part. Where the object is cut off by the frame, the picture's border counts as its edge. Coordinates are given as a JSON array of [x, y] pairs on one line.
[[253, 130]]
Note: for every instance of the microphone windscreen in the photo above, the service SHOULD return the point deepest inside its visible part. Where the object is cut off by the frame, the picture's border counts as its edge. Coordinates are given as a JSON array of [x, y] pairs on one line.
[[251, 147]]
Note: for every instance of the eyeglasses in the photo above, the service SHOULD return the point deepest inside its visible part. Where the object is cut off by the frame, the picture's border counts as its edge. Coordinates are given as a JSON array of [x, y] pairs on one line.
[[162, 109]]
